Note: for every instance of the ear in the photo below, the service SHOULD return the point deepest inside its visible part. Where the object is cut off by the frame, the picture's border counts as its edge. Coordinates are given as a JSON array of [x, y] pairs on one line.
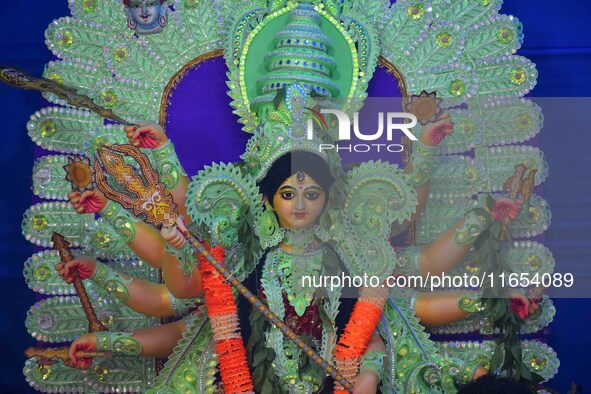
[[265, 199]]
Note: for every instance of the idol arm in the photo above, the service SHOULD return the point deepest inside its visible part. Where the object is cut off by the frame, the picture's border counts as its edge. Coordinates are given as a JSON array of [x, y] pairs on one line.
[[178, 282], [439, 308], [444, 252], [145, 297], [158, 342]]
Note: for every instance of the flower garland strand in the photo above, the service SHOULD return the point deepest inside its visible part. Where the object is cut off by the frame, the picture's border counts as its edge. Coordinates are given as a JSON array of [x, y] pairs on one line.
[[358, 333], [222, 312]]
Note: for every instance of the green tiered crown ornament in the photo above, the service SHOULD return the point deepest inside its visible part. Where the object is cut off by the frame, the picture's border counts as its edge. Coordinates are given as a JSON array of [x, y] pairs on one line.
[[301, 56], [283, 58]]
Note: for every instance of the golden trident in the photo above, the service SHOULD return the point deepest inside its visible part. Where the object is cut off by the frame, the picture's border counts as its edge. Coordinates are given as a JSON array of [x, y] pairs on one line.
[[139, 190]]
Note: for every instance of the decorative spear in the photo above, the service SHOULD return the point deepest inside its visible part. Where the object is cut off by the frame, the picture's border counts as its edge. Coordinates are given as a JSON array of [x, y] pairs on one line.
[[50, 355], [141, 191], [63, 248], [21, 80]]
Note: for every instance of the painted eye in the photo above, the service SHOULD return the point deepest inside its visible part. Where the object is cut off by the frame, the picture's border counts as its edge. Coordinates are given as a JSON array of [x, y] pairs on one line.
[[312, 195], [287, 195]]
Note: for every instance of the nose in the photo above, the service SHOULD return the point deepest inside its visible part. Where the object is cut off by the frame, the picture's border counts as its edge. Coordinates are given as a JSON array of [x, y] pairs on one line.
[[144, 8], [300, 204]]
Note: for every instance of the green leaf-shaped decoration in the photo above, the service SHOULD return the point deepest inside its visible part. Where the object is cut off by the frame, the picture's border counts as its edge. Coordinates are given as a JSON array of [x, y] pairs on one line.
[[109, 14], [501, 37], [465, 12], [72, 38], [505, 76], [129, 57], [49, 178], [506, 121], [79, 74], [499, 164], [62, 319], [65, 130], [438, 45], [129, 100], [116, 374], [407, 20], [455, 177], [41, 220]]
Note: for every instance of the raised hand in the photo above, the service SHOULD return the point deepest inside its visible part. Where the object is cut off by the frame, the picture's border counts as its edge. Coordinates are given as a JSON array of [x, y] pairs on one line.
[[86, 342], [84, 266], [91, 201], [435, 132], [149, 136]]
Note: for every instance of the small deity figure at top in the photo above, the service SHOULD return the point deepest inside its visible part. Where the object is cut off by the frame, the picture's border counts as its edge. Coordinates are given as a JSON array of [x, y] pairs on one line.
[[146, 16]]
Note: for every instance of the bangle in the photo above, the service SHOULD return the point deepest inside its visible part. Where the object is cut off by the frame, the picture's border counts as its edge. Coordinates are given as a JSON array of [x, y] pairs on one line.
[[471, 303], [422, 161], [181, 306], [111, 281], [185, 255], [118, 343], [120, 219], [374, 361], [168, 165], [474, 225]]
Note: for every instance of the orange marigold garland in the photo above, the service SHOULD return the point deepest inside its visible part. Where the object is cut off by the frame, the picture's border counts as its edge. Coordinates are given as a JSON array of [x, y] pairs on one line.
[[358, 333], [223, 314]]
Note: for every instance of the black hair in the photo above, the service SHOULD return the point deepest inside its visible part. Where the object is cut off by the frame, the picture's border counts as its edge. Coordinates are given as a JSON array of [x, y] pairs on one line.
[[289, 164], [491, 384]]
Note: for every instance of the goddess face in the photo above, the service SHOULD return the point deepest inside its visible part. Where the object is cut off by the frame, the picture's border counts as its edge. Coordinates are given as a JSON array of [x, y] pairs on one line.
[[299, 201], [146, 16]]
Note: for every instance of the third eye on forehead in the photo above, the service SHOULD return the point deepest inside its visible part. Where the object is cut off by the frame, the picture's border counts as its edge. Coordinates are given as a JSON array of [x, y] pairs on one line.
[[298, 180]]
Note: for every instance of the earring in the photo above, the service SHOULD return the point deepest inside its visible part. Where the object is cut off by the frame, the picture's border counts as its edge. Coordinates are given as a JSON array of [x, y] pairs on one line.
[[131, 23], [162, 21]]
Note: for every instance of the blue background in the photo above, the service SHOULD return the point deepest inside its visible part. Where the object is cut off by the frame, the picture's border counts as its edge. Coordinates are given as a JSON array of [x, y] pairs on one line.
[[557, 39]]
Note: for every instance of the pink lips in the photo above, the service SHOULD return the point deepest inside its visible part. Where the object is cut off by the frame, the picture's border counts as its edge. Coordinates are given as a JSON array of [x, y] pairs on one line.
[[300, 215]]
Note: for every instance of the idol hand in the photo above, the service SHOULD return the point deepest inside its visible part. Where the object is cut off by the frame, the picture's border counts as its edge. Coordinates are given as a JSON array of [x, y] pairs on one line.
[[86, 342], [148, 135], [175, 235], [90, 201], [435, 132], [84, 266]]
